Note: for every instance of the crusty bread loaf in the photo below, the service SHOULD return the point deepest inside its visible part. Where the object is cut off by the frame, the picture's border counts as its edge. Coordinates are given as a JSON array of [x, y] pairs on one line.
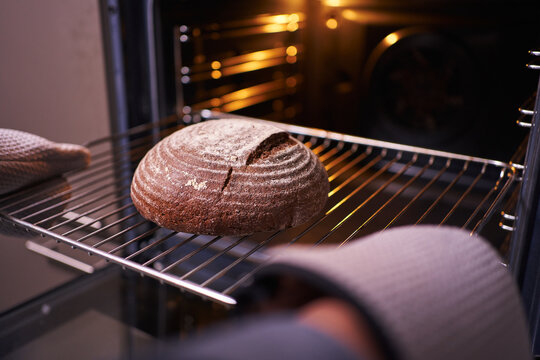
[[229, 177]]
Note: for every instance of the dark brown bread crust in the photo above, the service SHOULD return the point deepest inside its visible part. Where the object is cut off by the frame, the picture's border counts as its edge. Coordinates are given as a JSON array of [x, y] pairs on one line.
[[229, 177]]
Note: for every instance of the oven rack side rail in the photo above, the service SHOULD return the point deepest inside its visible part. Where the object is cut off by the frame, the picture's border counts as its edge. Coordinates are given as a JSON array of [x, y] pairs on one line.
[[374, 185], [169, 279], [511, 170], [353, 139]]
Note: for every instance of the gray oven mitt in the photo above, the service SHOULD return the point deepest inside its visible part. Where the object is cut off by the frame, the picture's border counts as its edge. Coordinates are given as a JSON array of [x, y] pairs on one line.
[[430, 292], [26, 158]]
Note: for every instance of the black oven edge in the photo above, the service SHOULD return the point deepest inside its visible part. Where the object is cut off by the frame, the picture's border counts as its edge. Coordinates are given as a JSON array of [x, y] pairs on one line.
[[525, 252], [139, 105]]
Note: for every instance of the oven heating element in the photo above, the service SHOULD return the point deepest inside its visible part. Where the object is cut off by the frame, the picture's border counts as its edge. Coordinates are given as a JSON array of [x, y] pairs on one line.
[[374, 185]]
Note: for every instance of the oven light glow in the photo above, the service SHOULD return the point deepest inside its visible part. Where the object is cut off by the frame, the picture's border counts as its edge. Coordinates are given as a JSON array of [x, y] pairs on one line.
[[294, 18], [215, 65], [291, 59], [244, 93], [331, 23], [281, 19], [291, 81], [292, 26], [291, 51], [332, 3], [273, 28], [350, 15], [391, 39], [216, 74], [259, 56]]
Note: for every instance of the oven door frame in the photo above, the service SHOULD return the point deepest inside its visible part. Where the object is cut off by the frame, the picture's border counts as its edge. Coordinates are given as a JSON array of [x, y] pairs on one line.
[[134, 99], [524, 259]]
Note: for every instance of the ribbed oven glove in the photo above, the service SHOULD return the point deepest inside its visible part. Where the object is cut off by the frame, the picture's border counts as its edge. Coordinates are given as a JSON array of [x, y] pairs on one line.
[[27, 158], [430, 292]]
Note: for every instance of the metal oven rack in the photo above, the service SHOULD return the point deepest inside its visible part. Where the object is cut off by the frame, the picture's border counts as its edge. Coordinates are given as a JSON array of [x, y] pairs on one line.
[[374, 185]]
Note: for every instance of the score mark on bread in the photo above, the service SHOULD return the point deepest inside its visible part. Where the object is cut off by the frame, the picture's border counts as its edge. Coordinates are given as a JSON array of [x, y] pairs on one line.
[[229, 177]]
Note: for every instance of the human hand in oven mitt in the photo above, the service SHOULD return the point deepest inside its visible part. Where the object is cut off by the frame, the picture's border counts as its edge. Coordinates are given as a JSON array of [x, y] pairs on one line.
[[410, 293], [424, 292], [27, 158]]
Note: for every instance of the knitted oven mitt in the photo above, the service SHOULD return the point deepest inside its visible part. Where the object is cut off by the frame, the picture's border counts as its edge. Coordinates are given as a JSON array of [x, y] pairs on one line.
[[27, 158], [430, 292]]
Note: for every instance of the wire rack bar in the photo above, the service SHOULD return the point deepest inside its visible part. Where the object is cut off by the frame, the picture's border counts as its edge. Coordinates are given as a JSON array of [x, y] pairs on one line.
[[173, 280], [374, 185]]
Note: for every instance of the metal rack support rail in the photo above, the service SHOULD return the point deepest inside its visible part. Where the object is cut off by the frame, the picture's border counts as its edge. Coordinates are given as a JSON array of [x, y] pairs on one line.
[[374, 184]]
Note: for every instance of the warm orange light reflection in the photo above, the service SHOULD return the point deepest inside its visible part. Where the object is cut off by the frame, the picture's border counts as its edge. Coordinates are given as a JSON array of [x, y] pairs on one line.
[[216, 74], [292, 51], [281, 19], [291, 81], [331, 23], [276, 19], [273, 28], [291, 59], [350, 15], [251, 66], [244, 93], [293, 26], [294, 18], [391, 39], [256, 90], [215, 65], [252, 95], [254, 56], [259, 55], [240, 104], [332, 2]]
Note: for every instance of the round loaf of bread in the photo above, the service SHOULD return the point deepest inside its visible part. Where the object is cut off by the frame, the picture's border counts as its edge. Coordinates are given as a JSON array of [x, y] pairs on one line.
[[229, 177]]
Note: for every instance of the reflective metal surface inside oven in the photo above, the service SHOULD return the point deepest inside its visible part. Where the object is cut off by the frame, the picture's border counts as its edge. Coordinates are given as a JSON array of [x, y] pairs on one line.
[[430, 75], [426, 93]]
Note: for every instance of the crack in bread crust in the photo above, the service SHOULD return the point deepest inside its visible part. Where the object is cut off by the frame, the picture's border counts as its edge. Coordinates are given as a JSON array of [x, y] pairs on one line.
[[265, 147], [256, 178], [227, 179]]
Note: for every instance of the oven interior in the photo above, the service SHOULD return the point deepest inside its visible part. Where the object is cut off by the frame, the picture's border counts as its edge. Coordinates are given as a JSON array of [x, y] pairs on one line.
[[434, 76], [428, 82]]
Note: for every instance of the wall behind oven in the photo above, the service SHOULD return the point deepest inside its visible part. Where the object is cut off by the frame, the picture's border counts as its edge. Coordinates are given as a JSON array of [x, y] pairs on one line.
[[52, 83], [52, 77]]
